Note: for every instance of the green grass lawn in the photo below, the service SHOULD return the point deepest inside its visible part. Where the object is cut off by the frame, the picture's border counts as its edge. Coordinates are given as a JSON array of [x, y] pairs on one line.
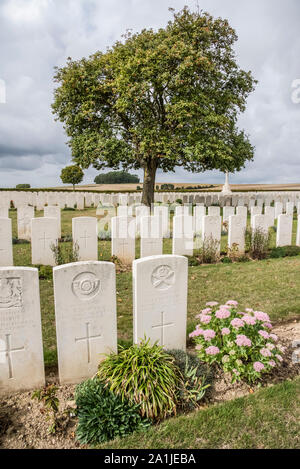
[[271, 285], [268, 419]]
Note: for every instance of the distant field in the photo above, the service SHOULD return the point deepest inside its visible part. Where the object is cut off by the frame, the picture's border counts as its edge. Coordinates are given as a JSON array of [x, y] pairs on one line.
[[217, 187]]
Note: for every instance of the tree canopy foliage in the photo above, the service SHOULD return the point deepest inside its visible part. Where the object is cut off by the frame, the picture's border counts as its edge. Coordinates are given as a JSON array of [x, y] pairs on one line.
[[158, 100]]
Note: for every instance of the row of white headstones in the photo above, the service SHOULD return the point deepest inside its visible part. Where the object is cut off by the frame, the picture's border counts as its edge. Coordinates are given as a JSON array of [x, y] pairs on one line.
[[86, 320], [189, 231]]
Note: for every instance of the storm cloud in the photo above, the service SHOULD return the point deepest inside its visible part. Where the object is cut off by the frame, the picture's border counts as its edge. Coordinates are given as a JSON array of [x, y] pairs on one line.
[[37, 35]]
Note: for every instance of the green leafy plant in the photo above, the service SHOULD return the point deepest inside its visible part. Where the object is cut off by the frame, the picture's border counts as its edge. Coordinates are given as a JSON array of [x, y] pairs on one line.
[[45, 272], [65, 253], [284, 251], [240, 342], [144, 374], [197, 378], [103, 416], [209, 251], [48, 396], [257, 242]]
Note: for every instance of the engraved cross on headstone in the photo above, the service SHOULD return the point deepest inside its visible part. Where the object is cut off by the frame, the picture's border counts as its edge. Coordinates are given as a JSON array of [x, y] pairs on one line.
[[8, 351], [85, 237], [162, 325], [44, 239], [88, 338]]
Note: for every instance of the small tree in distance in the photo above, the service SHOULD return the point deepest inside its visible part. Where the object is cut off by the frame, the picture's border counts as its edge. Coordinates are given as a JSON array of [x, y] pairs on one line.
[[71, 175]]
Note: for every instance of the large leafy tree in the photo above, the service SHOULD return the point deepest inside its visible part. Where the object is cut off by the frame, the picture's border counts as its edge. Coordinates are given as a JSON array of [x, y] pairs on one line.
[[158, 100]]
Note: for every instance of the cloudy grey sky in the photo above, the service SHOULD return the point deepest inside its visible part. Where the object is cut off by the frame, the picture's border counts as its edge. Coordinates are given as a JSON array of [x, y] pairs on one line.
[[36, 35]]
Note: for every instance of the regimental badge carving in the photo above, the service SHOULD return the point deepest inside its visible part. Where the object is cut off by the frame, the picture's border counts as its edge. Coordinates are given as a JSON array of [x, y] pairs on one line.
[[85, 285], [163, 277], [10, 292]]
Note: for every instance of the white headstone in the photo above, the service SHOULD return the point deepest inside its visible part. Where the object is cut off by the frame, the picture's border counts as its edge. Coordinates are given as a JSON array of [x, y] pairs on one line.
[[298, 232], [151, 236], [284, 230], [160, 300], [53, 211], [213, 211], [211, 229], [242, 211], [21, 346], [123, 238], [227, 212], [199, 213], [270, 214], [260, 222], [25, 215], [85, 237], [183, 235], [236, 233], [43, 238], [163, 213], [290, 208], [6, 252], [278, 209], [85, 311]]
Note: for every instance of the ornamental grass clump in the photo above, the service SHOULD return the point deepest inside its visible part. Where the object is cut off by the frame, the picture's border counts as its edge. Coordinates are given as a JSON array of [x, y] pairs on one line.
[[143, 374], [240, 342]]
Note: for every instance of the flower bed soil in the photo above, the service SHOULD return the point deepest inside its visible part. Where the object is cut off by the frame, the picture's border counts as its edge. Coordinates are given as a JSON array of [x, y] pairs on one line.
[[24, 424]]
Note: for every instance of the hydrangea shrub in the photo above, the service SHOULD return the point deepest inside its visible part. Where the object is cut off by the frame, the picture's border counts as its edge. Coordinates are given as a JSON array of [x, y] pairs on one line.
[[242, 343]]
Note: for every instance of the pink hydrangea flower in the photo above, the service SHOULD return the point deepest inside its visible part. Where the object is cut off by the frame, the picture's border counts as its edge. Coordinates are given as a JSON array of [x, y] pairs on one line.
[[280, 347], [224, 306], [196, 332], [225, 331], [232, 303], [243, 341], [206, 311], [264, 334], [272, 363], [250, 320], [268, 325], [279, 357], [237, 323], [209, 334], [249, 310], [258, 366], [212, 350], [274, 337], [265, 352], [205, 318], [212, 303], [261, 316], [270, 346], [222, 314]]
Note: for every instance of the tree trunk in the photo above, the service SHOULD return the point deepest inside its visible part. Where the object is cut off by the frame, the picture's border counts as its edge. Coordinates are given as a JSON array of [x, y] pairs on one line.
[[149, 182]]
